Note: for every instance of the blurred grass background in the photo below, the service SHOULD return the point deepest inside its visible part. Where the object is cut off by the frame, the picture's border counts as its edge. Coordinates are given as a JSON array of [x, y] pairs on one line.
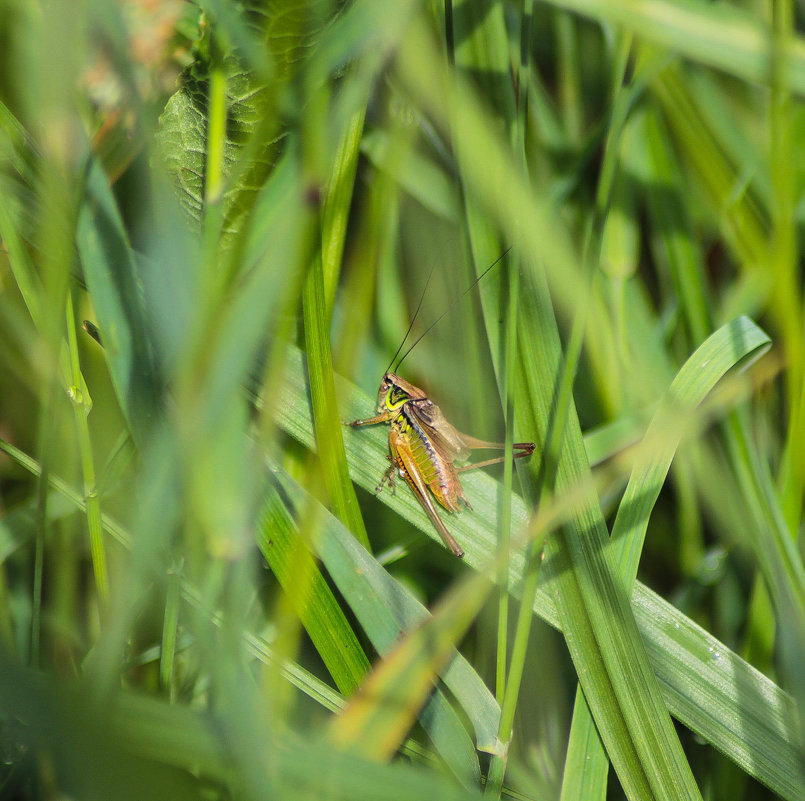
[[200, 595]]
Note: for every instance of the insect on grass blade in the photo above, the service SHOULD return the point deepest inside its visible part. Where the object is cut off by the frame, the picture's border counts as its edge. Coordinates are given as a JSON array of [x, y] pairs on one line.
[[424, 445]]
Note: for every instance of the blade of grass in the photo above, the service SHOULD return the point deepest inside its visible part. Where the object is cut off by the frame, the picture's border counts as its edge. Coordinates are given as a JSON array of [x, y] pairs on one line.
[[322, 391], [379, 716], [583, 736], [335, 213], [719, 353], [583, 777], [82, 404], [596, 618]]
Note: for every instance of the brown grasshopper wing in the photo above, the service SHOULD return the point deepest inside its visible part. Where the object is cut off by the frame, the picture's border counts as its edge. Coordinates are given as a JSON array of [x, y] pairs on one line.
[[406, 463], [453, 442]]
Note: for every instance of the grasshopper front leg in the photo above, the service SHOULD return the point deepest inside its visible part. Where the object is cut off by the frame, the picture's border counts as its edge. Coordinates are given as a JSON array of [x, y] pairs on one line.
[[383, 417]]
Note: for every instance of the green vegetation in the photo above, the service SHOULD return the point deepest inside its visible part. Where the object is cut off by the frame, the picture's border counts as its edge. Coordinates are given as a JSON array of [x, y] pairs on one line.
[[200, 595]]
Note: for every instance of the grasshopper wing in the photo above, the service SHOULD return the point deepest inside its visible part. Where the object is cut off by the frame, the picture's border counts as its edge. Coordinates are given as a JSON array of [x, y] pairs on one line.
[[441, 431], [454, 443]]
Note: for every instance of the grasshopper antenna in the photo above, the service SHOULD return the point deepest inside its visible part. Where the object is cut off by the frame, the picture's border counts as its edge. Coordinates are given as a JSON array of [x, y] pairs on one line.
[[413, 319], [456, 300]]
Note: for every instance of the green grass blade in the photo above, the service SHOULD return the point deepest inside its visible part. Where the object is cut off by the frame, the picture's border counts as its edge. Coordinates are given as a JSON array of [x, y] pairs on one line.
[[378, 717], [322, 391], [82, 405], [311, 596], [335, 214], [586, 765]]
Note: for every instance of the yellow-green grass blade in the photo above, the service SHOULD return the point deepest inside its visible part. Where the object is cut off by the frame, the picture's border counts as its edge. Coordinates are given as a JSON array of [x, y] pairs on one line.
[[335, 215], [691, 385], [586, 765], [610, 250], [329, 436], [377, 719], [433, 709]]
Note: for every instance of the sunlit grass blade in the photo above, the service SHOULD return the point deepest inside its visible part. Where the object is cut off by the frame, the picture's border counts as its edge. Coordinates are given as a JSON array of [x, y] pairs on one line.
[[586, 765], [322, 389], [722, 351]]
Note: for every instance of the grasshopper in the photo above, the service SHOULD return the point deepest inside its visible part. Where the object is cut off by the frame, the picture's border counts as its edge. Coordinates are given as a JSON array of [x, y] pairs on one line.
[[424, 445]]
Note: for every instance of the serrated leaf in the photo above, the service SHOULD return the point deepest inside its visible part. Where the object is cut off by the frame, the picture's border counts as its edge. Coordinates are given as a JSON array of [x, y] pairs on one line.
[[284, 33]]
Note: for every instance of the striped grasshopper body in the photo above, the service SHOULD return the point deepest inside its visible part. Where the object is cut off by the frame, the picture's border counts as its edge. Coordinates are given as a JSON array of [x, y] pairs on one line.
[[424, 448]]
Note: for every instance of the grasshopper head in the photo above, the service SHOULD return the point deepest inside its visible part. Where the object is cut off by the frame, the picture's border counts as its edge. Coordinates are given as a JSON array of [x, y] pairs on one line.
[[394, 392], [389, 396]]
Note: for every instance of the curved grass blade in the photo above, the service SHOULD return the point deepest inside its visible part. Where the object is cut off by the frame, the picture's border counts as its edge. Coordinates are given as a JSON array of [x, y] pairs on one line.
[[732, 344], [376, 720], [728, 347]]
